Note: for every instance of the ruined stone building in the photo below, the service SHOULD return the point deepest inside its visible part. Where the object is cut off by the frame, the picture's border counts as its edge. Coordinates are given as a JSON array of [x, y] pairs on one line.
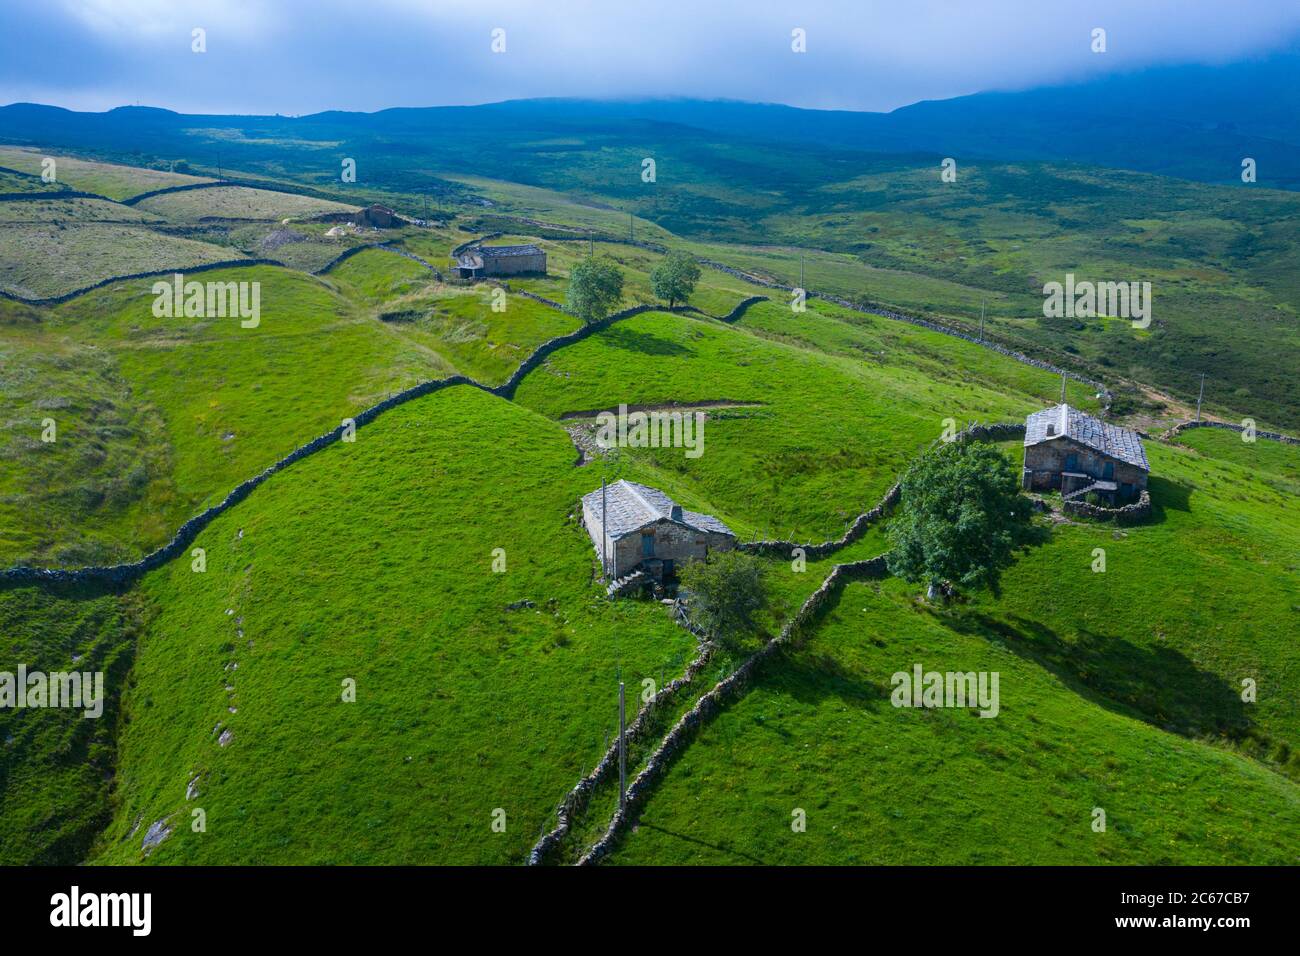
[[643, 529], [1077, 454], [373, 216]]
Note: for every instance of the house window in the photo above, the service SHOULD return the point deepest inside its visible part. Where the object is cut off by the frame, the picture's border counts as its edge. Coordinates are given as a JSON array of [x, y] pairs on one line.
[[647, 544]]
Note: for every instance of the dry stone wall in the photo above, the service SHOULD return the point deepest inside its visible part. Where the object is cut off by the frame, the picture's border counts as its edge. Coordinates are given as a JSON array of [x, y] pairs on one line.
[[575, 801], [711, 703], [1139, 510], [999, 431], [185, 270], [1272, 436], [121, 574]]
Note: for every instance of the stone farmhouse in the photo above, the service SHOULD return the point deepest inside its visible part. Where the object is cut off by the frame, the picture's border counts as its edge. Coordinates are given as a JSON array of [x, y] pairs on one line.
[[479, 261], [642, 529], [1077, 454]]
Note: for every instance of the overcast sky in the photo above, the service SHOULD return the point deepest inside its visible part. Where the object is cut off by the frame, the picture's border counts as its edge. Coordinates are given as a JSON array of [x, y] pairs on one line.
[[303, 56]]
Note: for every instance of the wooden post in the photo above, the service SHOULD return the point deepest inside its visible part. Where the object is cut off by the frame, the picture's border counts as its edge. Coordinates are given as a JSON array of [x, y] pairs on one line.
[[622, 749], [981, 321], [1062, 388], [1199, 397]]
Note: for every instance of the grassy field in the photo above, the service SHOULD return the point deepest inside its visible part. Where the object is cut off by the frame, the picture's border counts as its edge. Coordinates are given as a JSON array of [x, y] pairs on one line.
[[1190, 605], [16, 182], [1221, 259], [373, 561], [881, 785], [105, 179], [829, 434], [1107, 678], [69, 211], [41, 261], [104, 479], [177, 411], [237, 202], [56, 766]]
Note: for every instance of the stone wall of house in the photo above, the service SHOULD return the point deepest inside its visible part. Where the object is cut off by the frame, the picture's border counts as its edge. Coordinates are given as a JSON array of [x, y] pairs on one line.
[[512, 265], [672, 542], [1047, 459]]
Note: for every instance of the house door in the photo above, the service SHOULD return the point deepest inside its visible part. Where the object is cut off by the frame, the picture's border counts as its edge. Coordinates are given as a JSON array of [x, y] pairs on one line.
[[1108, 472], [648, 545], [1072, 462]]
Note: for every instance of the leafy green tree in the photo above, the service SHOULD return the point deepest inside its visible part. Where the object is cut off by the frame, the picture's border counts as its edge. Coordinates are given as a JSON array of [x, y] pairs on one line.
[[725, 593], [595, 287], [675, 277], [960, 519]]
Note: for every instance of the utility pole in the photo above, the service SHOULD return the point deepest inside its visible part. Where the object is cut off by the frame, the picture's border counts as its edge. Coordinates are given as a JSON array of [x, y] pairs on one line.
[[981, 321], [801, 285], [591, 245], [631, 228], [1062, 388], [1199, 397], [622, 749]]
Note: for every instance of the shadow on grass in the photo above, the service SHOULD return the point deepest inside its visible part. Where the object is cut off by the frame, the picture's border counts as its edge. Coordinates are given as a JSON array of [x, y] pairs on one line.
[[57, 747], [646, 343], [1166, 494], [748, 858], [809, 678], [1159, 684]]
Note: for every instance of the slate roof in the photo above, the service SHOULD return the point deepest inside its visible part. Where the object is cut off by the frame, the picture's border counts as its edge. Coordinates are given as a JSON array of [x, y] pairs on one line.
[[1067, 422], [633, 506], [501, 252]]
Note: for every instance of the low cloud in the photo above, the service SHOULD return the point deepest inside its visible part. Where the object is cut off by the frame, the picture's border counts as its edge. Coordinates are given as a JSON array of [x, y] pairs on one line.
[[300, 57]]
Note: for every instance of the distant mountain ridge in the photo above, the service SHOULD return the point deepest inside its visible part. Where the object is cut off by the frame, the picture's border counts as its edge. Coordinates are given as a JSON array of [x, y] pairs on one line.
[[1196, 122]]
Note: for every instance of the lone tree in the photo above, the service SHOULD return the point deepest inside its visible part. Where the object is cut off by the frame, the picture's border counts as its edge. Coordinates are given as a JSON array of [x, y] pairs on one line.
[[675, 277], [595, 286], [726, 592], [960, 519]]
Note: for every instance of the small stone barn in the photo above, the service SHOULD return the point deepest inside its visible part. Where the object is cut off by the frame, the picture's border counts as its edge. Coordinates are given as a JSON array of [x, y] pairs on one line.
[[479, 261], [643, 529], [1077, 454]]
